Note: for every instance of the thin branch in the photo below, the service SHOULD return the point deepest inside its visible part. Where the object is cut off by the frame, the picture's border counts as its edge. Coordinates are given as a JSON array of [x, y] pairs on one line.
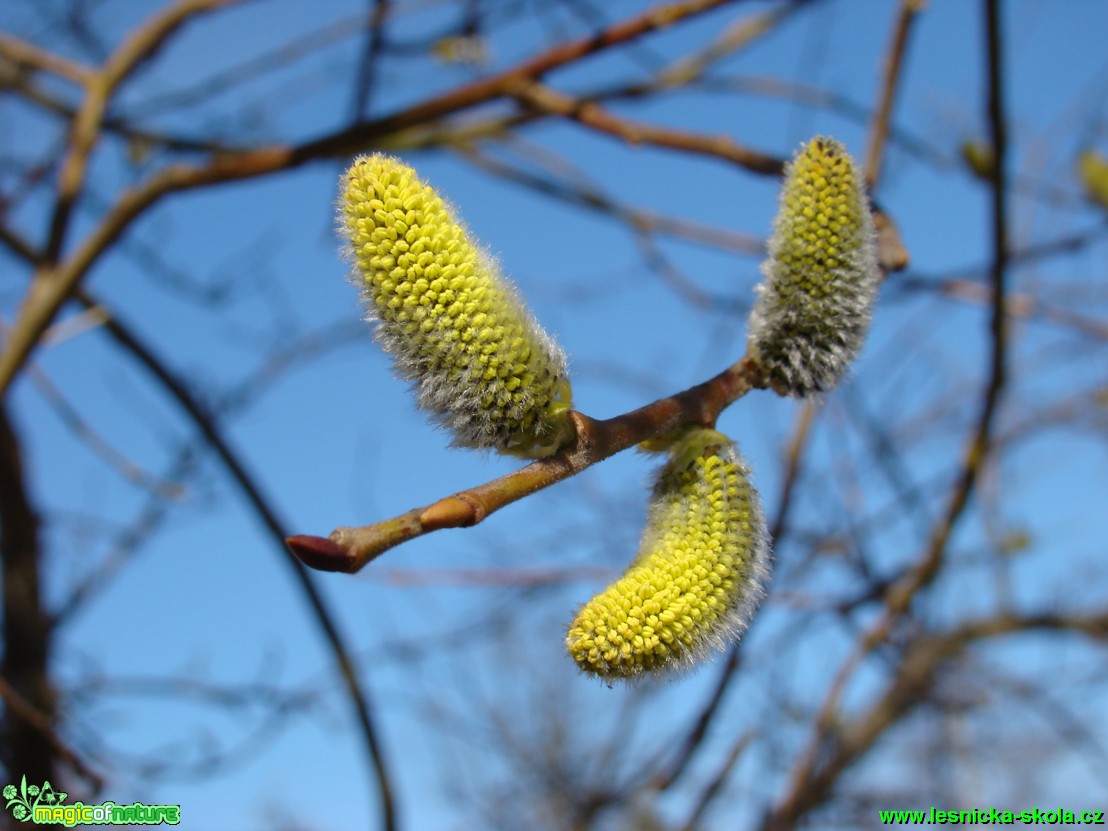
[[1019, 305], [734, 38], [20, 53], [18, 706], [54, 283], [806, 785], [18, 245], [879, 129], [590, 114], [367, 68], [84, 432], [915, 674], [213, 434], [141, 46], [715, 785], [118, 125], [124, 545], [586, 195], [350, 549]]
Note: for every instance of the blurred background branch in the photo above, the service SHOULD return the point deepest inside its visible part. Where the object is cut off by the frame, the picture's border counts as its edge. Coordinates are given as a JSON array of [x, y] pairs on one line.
[[185, 376]]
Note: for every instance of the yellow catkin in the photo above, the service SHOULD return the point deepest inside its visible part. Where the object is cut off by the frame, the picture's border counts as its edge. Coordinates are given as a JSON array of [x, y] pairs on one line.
[[813, 307], [454, 326], [698, 575]]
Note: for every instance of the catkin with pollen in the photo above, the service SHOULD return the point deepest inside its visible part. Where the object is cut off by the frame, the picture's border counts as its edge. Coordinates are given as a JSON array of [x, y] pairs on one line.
[[813, 308], [699, 573], [481, 365]]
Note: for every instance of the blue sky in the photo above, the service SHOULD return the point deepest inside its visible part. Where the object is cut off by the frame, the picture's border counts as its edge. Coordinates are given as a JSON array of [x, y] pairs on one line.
[[338, 441]]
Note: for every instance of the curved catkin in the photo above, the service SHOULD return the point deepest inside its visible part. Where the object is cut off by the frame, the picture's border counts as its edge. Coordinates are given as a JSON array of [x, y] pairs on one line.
[[481, 365], [699, 573], [813, 307]]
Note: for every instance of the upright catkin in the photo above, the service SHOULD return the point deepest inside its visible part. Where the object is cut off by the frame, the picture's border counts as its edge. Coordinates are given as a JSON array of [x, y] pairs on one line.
[[481, 365], [702, 562], [813, 308]]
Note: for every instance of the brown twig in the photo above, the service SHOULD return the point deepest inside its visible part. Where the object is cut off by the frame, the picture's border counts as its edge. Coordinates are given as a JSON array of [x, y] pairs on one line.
[[210, 428], [19, 707], [915, 674], [52, 284], [349, 549], [587, 195], [879, 128], [55, 282], [590, 114], [808, 782], [22, 54]]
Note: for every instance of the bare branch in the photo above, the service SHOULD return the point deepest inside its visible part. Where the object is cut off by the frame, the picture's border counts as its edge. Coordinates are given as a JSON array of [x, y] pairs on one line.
[[350, 549], [914, 676], [55, 282], [212, 432], [900, 594], [879, 129], [22, 54], [548, 100]]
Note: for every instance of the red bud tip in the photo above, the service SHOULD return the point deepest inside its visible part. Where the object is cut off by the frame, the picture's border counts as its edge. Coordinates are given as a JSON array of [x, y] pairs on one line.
[[320, 553]]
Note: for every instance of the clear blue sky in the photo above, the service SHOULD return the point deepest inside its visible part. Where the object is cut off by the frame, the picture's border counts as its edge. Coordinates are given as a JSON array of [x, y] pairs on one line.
[[338, 441]]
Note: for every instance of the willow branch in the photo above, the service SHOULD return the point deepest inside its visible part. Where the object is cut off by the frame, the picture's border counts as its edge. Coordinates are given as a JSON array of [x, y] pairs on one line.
[[892, 256], [592, 115], [211, 430], [53, 284], [902, 592], [350, 549], [100, 86], [19, 707], [20, 53], [879, 128], [915, 674], [590, 197]]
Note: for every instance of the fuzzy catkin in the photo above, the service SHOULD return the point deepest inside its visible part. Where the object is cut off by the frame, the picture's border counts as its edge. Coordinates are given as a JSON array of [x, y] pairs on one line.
[[699, 572], [481, 365], [813, 308]]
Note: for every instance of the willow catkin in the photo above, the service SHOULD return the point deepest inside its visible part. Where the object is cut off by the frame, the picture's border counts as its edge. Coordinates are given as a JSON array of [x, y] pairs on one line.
[[699, 572], [813, 307], [482, 366]]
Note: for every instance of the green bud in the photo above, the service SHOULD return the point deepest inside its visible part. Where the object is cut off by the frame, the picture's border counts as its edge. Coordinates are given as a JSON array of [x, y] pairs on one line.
[[481, 365], [697, 577], [1093, 170], [980, 159], [813, 309]]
